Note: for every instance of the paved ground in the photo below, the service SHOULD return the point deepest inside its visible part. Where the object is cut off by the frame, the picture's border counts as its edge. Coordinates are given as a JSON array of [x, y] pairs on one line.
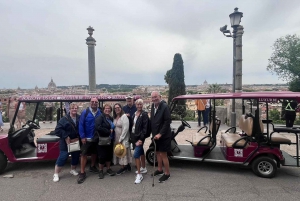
[[189, 181]]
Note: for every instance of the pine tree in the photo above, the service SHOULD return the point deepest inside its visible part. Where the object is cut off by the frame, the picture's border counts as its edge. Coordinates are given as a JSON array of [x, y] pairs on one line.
[[175, 79]]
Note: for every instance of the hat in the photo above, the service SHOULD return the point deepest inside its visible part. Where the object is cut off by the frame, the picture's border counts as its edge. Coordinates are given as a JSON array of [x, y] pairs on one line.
[[129, 97], [120, 150]]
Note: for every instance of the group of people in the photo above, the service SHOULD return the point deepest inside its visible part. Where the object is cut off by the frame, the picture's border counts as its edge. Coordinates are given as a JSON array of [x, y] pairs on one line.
[[103, 133]]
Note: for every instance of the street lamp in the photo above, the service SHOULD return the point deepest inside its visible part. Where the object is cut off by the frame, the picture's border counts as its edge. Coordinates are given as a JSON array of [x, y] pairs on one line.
[[235, 20]]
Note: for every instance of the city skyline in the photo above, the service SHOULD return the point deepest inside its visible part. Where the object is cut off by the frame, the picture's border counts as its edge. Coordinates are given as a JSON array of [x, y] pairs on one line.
[[137, 40]]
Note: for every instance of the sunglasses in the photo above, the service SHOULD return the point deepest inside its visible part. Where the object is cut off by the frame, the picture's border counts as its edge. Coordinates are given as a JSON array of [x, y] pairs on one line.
[[94, 101]]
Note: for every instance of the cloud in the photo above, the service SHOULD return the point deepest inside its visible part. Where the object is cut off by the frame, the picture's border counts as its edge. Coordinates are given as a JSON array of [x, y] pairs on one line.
[[137, 40]]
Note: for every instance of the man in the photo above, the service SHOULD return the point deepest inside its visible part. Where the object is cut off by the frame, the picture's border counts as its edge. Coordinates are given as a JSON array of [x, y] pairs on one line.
[[130, 108], [161, 131], [201, 103], [290, 113], [86, 132]]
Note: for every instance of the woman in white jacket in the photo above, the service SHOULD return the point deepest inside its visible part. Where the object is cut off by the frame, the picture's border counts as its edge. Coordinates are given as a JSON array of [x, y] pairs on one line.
[[122, 136]]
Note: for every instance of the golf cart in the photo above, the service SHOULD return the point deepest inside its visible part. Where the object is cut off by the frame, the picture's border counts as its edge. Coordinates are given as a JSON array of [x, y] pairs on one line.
[[256, 143], [21, 144]]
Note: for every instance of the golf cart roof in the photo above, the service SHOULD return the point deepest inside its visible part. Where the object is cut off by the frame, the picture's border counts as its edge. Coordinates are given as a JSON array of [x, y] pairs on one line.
[[73, 98], [263, 96]]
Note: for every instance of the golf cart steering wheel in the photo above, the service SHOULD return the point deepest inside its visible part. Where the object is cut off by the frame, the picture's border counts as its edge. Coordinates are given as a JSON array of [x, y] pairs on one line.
[[33, 124], [185, 123]]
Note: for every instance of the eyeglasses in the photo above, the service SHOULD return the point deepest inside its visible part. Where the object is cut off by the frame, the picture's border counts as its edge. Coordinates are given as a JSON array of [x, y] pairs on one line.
[[94, 101], [117, 108]]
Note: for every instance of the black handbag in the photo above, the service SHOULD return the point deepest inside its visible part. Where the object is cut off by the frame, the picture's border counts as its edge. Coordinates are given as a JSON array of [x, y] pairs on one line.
[[103, 141]]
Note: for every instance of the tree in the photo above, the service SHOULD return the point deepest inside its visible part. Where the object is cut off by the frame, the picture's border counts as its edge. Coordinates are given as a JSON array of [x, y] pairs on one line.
[[285, 60], [214, 88], [175, 79]]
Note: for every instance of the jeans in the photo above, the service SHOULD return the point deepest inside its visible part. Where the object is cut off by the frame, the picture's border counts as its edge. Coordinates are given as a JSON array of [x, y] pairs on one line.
[[138, 151], [206, 115], [64, 155]]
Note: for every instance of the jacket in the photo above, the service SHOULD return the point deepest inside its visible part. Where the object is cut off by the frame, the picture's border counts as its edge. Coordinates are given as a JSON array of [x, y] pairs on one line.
[[87, 124], [65, 129], [102, 126], [161, 120], [124, 138], [140, 127], [200, 103]]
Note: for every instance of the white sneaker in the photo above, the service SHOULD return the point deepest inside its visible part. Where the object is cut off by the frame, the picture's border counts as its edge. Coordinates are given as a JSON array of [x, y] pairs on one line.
[[74, 172], [138, 178], [142, 170], [55, 178]]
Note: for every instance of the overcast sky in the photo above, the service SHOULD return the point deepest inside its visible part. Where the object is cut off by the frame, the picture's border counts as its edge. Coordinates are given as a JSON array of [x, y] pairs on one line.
[[137, 40]]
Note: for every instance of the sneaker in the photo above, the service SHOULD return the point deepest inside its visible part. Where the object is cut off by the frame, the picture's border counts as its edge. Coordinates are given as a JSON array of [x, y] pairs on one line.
[[94, 169], [101, 175], [142, 170], [164, 178], [128, 167], [110, 172], [74, 172], [138, 178], [55, 178], [157, 172], [81, 178], [122, 170]]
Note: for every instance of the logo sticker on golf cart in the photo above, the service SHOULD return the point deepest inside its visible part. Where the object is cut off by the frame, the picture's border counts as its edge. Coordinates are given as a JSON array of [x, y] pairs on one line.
[[42, 148], [238, 152]]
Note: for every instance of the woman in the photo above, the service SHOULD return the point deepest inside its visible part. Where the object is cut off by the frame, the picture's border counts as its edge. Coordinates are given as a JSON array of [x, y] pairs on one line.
[[122, 136], [105, 128], [67, 129], [1, 120], [139, 130]]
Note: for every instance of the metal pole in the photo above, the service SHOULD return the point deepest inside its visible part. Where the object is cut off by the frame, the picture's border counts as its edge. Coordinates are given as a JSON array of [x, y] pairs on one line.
[[233, 114]]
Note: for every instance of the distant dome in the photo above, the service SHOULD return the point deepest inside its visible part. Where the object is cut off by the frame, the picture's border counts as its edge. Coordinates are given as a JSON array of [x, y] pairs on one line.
[[51, 85]]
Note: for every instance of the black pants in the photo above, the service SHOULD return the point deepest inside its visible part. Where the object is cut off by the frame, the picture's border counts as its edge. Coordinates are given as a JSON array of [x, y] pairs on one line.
[[289, 119]]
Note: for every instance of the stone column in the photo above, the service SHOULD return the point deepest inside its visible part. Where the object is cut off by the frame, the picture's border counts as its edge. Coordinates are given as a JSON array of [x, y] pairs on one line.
[[239, 59], [91, 42]]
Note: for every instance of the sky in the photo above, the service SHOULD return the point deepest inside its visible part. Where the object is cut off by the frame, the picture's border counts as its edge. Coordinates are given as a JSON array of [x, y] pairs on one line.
[[137, 40]]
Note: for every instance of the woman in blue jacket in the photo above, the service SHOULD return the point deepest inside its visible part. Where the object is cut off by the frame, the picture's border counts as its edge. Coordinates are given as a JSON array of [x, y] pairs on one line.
[[67, 129]]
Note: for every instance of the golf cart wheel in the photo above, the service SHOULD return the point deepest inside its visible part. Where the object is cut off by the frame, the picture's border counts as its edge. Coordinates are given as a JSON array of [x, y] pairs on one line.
[[150, 156], [3, 162], [264, 167]]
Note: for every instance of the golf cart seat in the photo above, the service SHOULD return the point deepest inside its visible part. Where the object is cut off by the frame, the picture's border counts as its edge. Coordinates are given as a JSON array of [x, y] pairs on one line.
[[275, 137], [203, 136], [236, 140], [47, 138]]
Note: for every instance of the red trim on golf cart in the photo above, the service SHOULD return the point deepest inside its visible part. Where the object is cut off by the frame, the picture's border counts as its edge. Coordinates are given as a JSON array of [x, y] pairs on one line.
[[263, 96], [58, 98]]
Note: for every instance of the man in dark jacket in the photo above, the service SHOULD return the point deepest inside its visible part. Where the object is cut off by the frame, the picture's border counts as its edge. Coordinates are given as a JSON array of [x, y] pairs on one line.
[[161, 131]]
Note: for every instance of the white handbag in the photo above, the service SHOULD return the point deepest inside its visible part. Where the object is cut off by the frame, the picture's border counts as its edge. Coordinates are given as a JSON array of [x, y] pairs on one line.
[[74, 145]]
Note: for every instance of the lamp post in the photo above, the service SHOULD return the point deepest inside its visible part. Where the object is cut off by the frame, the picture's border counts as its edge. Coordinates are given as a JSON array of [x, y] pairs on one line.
[[91, 42], [235, 20]]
